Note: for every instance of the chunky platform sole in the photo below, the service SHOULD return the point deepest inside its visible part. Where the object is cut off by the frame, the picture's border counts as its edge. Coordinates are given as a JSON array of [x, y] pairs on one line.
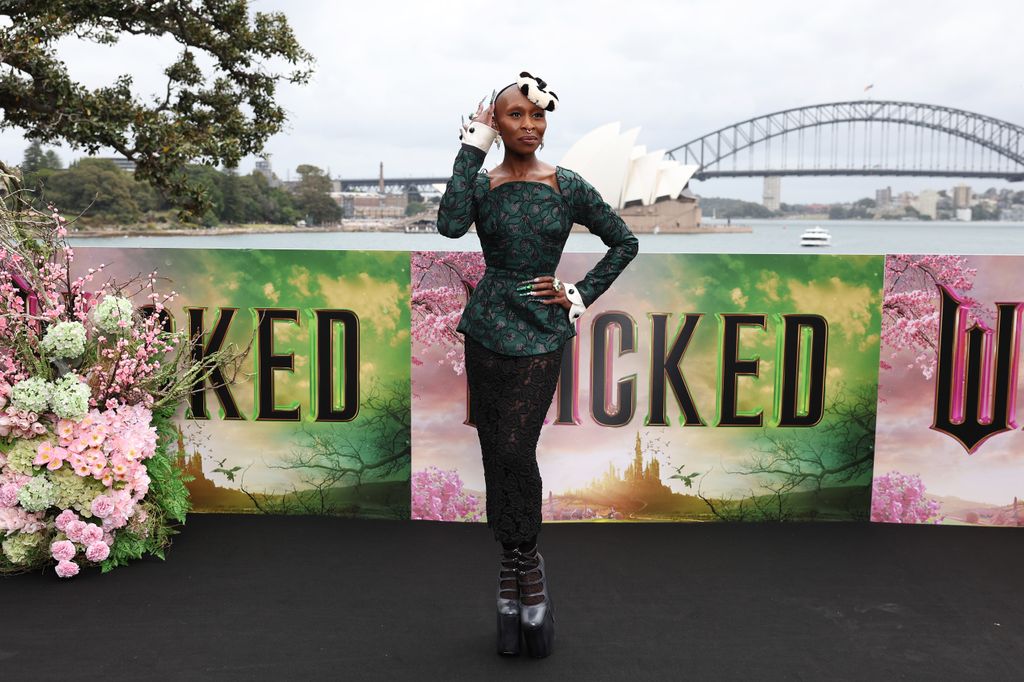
[[540, 641], [509, 634]]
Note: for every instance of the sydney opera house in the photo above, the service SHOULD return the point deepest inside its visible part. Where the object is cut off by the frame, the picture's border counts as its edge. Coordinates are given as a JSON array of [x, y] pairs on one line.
[[648, 191]]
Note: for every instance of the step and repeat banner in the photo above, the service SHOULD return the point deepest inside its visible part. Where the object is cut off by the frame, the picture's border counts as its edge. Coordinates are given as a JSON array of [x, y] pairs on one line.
[[698, 387]]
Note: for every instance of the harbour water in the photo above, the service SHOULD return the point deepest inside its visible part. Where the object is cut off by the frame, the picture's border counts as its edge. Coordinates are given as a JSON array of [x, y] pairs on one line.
[[767, 236]]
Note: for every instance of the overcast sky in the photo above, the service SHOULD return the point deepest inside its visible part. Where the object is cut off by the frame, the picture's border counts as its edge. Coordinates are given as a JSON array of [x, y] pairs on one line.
[[393, 77]]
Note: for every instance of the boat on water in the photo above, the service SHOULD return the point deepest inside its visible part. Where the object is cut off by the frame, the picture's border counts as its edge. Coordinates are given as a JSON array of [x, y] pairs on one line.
[[816, 236]]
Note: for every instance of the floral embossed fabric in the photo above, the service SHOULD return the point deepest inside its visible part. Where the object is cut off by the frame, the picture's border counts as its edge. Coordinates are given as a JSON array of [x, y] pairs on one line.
[[523, 227], [509, 397]]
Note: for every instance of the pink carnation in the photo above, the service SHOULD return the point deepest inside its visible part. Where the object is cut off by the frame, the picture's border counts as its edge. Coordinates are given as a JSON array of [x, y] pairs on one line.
[[102, 506], [74, 529], [9, 494], [92, 533], [64, 518], [66, 569], [97, 551], [64, 550]]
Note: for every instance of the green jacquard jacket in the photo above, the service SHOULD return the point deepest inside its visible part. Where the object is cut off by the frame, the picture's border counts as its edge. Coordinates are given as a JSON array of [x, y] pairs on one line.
[[523, 226]]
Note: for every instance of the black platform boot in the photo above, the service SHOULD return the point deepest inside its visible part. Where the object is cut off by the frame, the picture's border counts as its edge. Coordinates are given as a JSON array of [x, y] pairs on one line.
[[509, 631], [536, 609]]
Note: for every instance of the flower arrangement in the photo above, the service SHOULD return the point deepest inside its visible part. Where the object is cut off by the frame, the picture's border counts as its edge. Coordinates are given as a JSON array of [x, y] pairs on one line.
[[88, 390]]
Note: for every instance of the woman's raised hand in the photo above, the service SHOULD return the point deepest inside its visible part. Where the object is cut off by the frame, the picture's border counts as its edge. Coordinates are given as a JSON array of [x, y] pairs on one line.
[[484, 114]]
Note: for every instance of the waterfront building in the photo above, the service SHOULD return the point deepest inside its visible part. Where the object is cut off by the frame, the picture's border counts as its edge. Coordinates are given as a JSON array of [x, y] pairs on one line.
[[883, 198], [961, 196], [644, 187], [771, 197], [927, 203]]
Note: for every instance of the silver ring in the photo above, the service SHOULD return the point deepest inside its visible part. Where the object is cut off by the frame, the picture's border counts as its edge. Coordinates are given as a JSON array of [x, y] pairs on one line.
[[558, 284]]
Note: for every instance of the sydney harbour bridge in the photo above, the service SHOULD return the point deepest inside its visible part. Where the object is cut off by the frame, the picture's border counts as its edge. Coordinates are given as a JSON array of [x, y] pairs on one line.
[[863, 137]]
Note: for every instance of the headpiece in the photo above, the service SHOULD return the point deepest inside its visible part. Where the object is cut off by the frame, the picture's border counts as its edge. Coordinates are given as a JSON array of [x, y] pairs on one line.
[[535, 89]]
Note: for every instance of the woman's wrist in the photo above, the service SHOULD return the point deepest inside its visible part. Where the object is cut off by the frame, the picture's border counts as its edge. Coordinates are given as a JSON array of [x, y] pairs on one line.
[[478, 134], [573, 294]]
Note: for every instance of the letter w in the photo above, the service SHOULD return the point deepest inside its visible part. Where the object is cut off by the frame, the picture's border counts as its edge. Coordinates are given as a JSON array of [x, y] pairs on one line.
[[969, 405]]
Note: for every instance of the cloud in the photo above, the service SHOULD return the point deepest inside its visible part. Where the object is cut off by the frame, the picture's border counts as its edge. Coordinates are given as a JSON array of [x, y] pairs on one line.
[[785, 54], [300, 280], [769, 284], [847, 308], [271, 293], [738, 298], [375, 301]]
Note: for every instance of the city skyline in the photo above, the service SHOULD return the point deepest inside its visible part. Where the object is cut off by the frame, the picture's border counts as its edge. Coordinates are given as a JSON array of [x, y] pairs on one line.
[[677, 72]]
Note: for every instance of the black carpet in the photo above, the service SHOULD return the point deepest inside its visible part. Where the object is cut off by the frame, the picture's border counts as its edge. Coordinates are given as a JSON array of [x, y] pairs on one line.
[[257, 597]]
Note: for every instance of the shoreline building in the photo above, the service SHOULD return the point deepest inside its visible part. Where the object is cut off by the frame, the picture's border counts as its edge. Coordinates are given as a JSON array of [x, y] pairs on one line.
[[771, 198]]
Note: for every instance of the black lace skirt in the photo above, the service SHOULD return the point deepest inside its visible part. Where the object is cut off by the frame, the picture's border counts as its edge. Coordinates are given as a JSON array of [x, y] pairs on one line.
[[510, 395]]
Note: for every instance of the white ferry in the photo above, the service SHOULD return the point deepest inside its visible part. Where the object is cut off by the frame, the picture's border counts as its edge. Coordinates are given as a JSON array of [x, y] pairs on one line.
[[816, 236]]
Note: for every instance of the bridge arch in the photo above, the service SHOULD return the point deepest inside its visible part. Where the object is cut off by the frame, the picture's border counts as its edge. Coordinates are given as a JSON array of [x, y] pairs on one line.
[[1002, 142]]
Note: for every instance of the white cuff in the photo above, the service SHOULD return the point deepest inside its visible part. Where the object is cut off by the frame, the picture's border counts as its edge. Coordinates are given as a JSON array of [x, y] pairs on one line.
[[477, 134], [573, 294]]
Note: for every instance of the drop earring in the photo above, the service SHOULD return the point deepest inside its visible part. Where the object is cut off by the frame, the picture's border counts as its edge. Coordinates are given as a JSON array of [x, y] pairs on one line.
[[542, 145]]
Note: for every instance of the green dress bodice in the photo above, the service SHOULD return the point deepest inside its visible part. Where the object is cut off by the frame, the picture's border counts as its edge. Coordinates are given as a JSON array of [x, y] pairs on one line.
[[523, 226]]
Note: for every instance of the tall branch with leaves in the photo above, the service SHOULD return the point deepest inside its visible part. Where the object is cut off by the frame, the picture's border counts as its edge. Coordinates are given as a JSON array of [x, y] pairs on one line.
[[213, 118]]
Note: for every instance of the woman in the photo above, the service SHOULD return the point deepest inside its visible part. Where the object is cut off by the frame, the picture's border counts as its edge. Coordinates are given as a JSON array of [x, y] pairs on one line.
[[517, 321]]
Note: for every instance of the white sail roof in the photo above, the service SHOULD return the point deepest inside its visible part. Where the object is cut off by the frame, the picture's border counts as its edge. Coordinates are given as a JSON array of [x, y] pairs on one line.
[[623, 171]]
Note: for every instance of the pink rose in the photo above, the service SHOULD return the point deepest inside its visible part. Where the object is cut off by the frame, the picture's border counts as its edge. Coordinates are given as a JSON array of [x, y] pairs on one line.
[[74, 529], [97, 551], [66, 569], [64, 518], [102, 506], [63, 550]]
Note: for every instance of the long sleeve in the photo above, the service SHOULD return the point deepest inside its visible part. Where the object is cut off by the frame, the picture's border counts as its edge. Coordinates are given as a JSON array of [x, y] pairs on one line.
[[457, 210], [593, 212]]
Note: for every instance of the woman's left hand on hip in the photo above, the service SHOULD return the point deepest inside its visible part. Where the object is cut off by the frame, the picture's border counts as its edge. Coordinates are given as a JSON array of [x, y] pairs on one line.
[[542, 289]]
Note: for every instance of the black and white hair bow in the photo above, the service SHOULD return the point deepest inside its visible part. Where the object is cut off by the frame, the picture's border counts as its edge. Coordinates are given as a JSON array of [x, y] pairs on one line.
[[535, 90]]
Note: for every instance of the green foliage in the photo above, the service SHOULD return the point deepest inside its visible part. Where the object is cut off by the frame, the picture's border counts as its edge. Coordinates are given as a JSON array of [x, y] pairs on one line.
[[215, 119], [34, 159], [127, 546], [733, 208], [167, 481], [113, 195], [168, 500], [312, 196], [96, 184], [415, 207]]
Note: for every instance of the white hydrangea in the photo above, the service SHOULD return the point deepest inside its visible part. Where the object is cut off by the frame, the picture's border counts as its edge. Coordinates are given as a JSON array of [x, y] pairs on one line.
[[110, 311], [70, 397], [65, 340], [31, 395]]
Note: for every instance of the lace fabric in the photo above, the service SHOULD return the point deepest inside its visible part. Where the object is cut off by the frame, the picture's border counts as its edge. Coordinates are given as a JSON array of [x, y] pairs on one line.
[[510, 396]]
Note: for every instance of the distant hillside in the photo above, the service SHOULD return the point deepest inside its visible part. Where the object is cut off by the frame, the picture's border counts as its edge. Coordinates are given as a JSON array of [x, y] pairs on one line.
[[733, 208]]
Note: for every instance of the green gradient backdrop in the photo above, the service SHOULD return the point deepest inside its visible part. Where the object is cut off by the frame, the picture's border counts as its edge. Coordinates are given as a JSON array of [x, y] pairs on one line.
[[287, 466]]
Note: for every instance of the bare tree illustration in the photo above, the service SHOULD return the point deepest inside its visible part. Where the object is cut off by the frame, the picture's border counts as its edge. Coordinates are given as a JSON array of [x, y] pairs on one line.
[[327, 460], [840, 450]]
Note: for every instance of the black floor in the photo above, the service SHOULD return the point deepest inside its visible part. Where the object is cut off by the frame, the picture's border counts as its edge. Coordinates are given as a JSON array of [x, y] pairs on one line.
[[255, 597]]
